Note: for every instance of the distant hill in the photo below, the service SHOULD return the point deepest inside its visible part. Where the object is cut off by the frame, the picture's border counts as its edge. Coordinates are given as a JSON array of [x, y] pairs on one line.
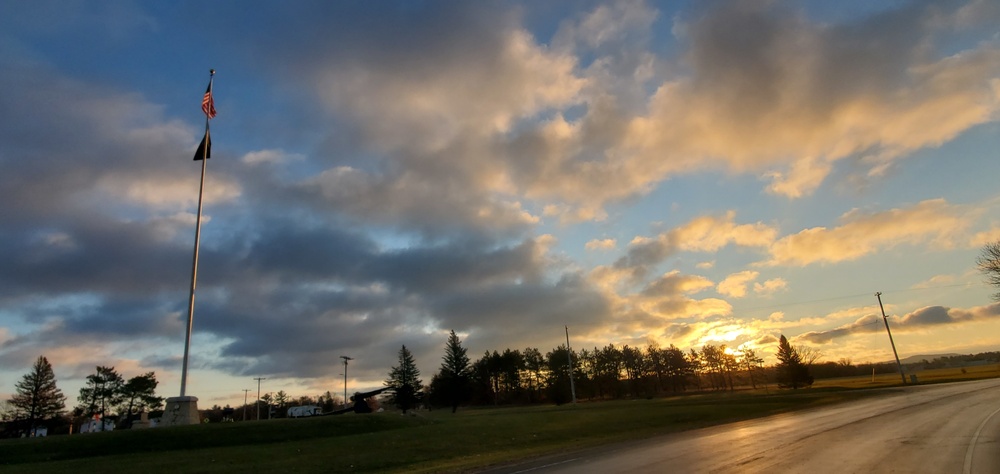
[[920, 358]]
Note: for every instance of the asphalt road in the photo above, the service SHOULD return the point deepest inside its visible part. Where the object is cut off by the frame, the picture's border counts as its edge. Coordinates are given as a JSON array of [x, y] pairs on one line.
[[946, 428]]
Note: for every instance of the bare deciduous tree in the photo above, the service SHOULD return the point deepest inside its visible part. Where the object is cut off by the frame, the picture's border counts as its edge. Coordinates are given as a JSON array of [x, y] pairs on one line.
[[989, 263]]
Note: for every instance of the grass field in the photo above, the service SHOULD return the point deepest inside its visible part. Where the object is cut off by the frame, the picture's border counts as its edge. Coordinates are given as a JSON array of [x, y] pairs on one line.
[[424, 442], [923, 376]]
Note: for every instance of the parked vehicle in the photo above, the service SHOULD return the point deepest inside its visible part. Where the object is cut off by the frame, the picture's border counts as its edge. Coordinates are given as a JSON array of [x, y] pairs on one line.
[[302, 411]]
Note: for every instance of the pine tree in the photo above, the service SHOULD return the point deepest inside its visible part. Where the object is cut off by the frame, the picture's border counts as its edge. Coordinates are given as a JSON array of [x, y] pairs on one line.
[[791, 371], [404, 381], [454, 374], [101, 394], [37, 397], [139, 395]]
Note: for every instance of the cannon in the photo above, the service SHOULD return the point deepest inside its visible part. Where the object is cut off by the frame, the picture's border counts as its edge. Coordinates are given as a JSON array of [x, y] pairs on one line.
[[360, 405]]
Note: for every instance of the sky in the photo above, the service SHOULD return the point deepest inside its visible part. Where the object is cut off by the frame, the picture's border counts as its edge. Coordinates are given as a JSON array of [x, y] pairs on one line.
[[382, 173]]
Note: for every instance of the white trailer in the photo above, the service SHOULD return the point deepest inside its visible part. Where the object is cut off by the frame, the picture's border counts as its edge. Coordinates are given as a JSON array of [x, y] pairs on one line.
[[94, 426], [302, 411]]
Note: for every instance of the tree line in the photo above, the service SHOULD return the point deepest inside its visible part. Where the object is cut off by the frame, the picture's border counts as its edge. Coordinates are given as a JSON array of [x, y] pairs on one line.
[[528, 376], [38, 401]]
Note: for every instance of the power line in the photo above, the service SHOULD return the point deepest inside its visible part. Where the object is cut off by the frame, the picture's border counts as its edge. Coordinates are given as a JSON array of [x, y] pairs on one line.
[[859, 295]]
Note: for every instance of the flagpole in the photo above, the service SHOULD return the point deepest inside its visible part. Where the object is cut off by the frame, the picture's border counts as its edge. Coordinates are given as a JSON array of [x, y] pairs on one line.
[[197, 241]]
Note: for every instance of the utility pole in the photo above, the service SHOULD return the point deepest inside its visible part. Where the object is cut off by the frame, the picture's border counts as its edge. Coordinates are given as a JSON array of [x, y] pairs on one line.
[[569, 358], [345, 377], [258, 379], [245, 391], [885, 320]]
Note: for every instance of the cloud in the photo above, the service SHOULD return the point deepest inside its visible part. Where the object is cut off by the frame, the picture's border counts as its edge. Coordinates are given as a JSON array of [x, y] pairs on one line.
[[761, 98], [426, 148], [674, 282], [804, 176], [980, 239], [601, 244], [606, 24], [867, 324], [934, 222], [414, 203], [916, 320], [770, 287], [735, 285], [271, 157], [571, 126], [935, 281], [702, 234]]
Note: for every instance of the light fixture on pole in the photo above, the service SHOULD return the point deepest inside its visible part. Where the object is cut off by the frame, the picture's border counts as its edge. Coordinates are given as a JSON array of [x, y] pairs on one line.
[[345, 377]]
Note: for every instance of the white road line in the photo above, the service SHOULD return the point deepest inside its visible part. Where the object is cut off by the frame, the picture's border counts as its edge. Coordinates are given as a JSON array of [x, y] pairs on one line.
[[972, 444], [547, 465]]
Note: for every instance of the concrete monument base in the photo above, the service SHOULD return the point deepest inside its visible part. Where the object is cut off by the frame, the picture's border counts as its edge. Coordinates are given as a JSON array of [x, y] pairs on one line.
[[180, 411], [142, 422]]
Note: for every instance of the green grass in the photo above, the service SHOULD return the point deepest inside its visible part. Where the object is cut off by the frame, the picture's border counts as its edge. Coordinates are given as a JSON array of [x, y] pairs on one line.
[[923, 377], [428, 441], [389, 442]]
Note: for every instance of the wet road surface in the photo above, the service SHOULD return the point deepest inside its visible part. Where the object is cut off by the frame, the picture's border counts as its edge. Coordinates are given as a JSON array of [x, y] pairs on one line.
[[945, 428]]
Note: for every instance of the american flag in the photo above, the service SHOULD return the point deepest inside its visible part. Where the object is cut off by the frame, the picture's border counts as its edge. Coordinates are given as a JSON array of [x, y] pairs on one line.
[[207, 103]]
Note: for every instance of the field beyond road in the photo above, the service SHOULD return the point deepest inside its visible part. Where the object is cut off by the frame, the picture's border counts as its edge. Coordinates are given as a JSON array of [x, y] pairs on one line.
[[427, 441]]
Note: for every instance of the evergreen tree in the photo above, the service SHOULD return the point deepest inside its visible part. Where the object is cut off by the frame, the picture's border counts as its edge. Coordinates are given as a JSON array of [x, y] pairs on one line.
[[559, 387], [791, 371], [281, 401], [326, 400], [453, 379], [139, 395], [404, 382], [37, 397], [101, 393]]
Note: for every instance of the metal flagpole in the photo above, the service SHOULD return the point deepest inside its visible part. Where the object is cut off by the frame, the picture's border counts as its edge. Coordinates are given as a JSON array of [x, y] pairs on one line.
[[197, 241]]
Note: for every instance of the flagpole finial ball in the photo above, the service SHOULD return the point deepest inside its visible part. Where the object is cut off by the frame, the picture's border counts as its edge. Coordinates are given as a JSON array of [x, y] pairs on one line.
[[211, 71]]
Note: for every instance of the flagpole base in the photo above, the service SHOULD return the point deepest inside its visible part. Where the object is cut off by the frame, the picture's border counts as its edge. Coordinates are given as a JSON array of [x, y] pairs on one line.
[[180, 411]]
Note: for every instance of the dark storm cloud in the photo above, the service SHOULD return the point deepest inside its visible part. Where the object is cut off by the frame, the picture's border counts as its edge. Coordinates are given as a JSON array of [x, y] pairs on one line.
[[513, 309], [289, 298], [283, 285], [741, 51], [456, 266], [95, 255], [287, 249]]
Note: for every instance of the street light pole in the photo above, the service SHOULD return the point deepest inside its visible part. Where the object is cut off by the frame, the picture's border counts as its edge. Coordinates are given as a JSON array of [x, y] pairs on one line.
[[345, 377]]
